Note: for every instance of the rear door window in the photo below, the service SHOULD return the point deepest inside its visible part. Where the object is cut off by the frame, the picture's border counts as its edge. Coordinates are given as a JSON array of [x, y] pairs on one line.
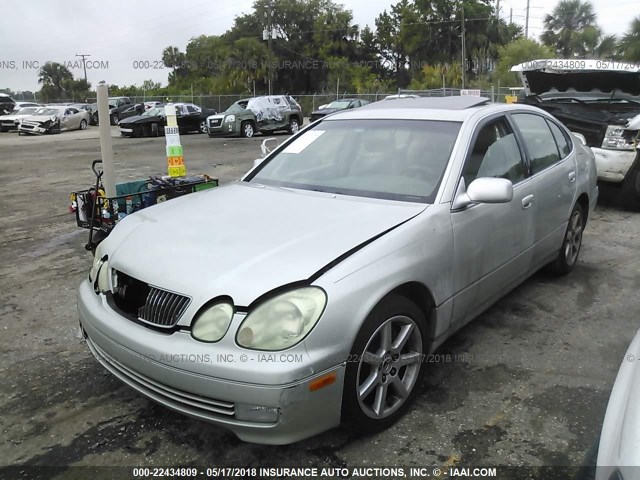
[[564, 147], [538, 140]]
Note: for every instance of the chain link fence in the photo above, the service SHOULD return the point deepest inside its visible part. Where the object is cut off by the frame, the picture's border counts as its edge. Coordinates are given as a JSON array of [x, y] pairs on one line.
[[309, 102]]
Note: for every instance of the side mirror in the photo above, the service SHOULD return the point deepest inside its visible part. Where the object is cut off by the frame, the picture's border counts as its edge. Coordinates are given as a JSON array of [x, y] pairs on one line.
[[580, 137], [267, 146], [484, 190]]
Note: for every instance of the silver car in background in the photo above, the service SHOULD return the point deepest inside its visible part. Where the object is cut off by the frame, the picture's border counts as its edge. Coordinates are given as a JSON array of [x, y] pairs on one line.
[[305, 295], [54, 119]]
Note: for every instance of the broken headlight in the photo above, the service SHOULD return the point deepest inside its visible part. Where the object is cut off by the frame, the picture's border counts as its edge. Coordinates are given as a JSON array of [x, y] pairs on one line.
[[619, 138]]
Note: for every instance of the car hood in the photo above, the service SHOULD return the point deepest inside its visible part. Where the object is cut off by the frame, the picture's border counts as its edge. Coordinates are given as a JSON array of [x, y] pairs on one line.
[[142, 119], [244, 240], [39, 118]]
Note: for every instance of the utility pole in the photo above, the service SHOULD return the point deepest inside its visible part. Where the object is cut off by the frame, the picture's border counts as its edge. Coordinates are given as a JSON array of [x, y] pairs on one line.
[[497, 9], [526, 22], [267, 34], [511, 16], [84, 65], [464, 56]]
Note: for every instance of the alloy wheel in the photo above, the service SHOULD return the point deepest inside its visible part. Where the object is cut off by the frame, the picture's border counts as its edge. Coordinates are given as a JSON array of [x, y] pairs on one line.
[[389, 367], [573, 240]]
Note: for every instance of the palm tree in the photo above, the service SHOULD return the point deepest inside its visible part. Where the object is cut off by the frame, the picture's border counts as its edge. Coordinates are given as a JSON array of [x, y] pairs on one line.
[[630, 43], [53, 77], [564, 27]]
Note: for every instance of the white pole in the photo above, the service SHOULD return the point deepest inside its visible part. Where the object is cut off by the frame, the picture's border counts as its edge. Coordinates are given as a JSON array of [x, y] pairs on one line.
[[109, 177]]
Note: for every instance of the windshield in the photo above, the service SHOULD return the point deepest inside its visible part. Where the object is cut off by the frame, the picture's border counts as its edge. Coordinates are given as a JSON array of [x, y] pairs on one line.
[[47, 111], [237, 107], [392, 159], [27, 110], [155, 111], [339, 104]]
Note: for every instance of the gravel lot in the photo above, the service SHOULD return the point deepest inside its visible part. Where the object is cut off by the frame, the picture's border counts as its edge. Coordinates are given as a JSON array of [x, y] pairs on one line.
[[527, 383]]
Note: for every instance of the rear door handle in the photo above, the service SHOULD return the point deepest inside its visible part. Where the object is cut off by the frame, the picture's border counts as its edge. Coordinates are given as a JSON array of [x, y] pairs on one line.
[[572, 177], [527, 201]]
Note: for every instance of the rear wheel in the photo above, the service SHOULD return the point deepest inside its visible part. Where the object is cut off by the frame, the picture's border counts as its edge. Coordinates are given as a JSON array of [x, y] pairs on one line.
[[631, 188], [568, 254], [83, 124], [154, 130], [294, 126], [382, 380], [247, 130], [203, 126], [115, 120]]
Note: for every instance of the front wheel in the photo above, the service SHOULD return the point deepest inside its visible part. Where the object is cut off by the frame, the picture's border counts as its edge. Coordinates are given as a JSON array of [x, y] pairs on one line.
[[115, 120], [83, 124], [246, 129], [568, 254], [382, 380]]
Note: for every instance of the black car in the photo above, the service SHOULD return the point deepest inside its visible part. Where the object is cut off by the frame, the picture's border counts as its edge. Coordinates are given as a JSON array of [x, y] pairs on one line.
[[7, 104], [92, 108], [336, 106], [190, 117]]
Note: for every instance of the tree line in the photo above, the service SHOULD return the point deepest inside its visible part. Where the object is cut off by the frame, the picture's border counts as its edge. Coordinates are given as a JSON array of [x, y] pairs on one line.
[[307, 46]]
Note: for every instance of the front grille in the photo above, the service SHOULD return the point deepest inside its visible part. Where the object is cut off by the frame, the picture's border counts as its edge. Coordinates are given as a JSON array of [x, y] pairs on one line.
[[215, 122], [193, 403], [163, 308], [27, 125], [147, 303]]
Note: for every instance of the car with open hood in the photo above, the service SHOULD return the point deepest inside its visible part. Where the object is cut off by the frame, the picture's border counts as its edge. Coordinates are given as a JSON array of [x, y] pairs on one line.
[[151, 123], [336, 106], [54, 119], [308, 293], [267, 114], [600, 100], [13, 119]]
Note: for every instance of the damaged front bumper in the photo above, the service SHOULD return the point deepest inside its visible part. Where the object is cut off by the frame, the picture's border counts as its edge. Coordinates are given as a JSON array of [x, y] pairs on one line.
[[34, 128], [613, 165]]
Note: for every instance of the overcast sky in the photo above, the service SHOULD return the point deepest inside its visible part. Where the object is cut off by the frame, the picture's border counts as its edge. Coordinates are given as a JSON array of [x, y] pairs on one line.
[[125, 36]]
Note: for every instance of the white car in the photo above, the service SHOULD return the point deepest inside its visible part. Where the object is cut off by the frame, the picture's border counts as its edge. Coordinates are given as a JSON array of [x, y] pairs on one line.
[[619, 451], [600, 100], [11, 121]]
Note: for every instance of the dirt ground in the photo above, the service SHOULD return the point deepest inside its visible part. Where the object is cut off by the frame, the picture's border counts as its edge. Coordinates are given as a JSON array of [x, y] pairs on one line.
[[529, 387]]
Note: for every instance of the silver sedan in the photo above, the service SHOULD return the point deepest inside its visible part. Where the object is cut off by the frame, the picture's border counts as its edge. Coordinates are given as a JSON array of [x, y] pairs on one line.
[[54, 119], [307, 294]]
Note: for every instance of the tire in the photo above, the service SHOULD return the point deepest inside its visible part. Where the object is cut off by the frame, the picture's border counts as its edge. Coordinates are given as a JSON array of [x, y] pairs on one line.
[[631, 188], [115, 120], [203, 127], [247, 130], [392, 384], [294, 126], [570, 249], [154, 130], [83, 124]]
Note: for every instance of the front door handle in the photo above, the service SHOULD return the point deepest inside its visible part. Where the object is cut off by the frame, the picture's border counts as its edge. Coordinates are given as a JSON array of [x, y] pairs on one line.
[[527, 201], [572, 177]]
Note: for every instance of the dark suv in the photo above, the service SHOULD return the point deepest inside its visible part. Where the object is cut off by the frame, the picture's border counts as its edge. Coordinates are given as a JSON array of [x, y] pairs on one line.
[[7, 104]]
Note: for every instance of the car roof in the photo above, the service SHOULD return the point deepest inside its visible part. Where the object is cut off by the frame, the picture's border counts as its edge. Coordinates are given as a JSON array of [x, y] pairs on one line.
[[453, 109]]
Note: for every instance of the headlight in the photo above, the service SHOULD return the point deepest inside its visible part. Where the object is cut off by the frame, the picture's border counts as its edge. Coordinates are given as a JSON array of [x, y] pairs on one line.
[[229, 118], [282, 321], [212, 323], [103, 277], [619, 138]]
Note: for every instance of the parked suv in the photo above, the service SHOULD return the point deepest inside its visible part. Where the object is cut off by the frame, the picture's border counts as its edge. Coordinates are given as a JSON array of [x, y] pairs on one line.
[[7, 104], [117, 105], [265, 114]]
